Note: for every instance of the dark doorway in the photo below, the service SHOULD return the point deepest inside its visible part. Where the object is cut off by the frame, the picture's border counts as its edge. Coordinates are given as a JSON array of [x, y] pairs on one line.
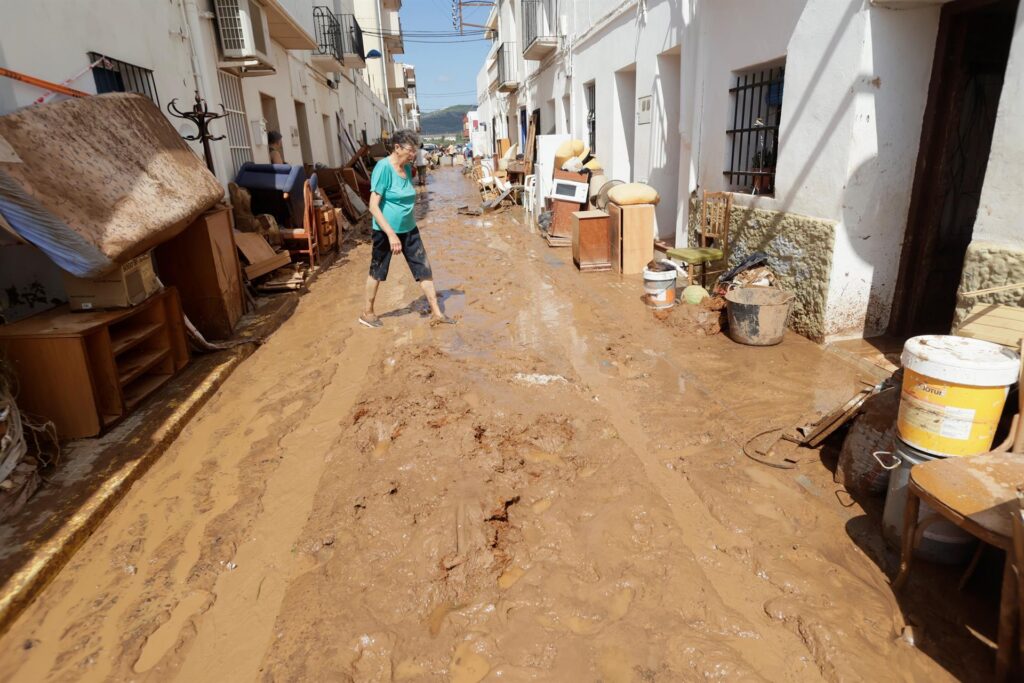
[[535, 120], [971, 52]]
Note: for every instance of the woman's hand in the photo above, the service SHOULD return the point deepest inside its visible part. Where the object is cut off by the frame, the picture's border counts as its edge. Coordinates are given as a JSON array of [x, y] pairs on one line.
[[396, 244]]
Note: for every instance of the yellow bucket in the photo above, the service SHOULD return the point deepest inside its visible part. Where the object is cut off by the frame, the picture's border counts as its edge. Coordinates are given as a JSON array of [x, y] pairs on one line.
[[953, 393]]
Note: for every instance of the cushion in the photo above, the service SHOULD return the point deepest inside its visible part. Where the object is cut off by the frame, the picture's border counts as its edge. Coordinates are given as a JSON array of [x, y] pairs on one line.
[[633, 193], [695, 255], [594, 165], [569, 149]]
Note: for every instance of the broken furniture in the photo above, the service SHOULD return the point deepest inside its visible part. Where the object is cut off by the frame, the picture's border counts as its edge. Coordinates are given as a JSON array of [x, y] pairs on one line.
[[202, 264], [276, 189], [86, 371], [979, 495], [304, 242], [260, 256], [97, 181], [713, 236], [591, 241], [246, 221], [568, 195], [632, 236], [124, 286]]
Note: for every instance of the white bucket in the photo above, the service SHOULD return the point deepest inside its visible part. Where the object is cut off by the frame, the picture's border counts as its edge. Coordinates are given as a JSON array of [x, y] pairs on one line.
[[660, 287], [942, 542]]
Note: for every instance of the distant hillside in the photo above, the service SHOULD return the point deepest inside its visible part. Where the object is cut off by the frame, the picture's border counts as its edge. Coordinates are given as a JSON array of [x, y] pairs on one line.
[[447, 120]]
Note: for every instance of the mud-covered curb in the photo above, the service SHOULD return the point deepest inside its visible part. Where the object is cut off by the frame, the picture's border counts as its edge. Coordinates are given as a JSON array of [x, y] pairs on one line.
[[51, 555]]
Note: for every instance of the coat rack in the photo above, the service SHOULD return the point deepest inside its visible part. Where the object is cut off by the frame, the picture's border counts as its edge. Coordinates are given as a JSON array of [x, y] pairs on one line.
[[201, 116]]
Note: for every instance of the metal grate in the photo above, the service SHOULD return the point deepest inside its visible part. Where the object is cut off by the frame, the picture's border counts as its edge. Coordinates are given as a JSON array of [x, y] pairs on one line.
[[506, 64], [229, 21], [113, 75], [538, 20], [754, 136], [351, 36], [590, 93], [328, 32], [235, 122]]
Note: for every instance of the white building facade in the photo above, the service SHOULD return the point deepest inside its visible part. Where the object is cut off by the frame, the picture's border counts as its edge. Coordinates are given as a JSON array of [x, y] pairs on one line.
[[298, 67], [829, 121]]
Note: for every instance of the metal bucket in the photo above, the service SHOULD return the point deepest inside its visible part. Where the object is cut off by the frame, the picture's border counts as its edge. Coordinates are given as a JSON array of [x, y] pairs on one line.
[[758, 315]]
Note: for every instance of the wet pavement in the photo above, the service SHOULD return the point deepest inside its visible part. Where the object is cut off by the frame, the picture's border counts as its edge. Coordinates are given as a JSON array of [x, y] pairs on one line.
[[554, 489]]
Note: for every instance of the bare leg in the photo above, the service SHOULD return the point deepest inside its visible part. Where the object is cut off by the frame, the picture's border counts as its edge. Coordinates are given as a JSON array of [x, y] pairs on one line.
[[371, 296], [431, 294]]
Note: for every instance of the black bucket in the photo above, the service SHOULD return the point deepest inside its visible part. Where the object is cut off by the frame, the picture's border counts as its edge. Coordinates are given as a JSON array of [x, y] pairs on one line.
[[758, 315]]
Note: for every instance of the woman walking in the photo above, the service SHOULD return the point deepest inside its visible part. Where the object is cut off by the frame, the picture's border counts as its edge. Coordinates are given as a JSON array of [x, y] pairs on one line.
[[392, 205]]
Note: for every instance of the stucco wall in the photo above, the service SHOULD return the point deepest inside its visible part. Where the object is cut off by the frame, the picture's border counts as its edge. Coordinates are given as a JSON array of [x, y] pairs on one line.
[[799, 249]]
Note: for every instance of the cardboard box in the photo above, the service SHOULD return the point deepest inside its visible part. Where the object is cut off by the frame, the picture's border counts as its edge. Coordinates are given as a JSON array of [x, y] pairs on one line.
[[123, 287]]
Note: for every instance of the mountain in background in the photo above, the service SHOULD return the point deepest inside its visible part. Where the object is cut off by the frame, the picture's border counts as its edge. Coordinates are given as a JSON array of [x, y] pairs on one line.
[[447, 120]]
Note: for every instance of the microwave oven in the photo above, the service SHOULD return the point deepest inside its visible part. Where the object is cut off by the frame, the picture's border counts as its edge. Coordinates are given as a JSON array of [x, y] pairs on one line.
[[569, 190]]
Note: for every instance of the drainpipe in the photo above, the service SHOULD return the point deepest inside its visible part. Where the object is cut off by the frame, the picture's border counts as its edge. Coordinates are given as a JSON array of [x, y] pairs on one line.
[[190, 26]]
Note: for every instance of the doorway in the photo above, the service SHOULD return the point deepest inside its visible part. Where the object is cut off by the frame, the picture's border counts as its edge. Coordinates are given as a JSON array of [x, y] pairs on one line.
[[268, 107], [303, 124], [624, 125], [971, 53]]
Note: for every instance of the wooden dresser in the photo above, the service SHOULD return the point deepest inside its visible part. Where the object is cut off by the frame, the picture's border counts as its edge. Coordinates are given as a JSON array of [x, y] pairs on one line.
[[591, 241], [85, 371]]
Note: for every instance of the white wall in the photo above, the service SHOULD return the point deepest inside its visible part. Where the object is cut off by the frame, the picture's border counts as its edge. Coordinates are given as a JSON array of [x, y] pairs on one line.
[[1001, 212]]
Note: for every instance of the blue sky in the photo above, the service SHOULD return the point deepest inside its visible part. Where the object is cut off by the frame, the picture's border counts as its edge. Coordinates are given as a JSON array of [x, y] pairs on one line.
[[445, 71]]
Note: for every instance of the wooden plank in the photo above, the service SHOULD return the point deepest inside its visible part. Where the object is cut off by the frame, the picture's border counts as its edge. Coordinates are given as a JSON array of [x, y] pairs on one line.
[[637, 235], [262, 268], [997, 323], [254, 248]]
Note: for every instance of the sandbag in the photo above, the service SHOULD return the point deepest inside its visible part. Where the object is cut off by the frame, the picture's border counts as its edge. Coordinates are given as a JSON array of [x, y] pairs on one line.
[[633, 193]]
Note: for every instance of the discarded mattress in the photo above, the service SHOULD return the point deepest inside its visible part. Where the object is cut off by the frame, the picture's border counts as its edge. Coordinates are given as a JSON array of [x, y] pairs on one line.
[[95, 181]]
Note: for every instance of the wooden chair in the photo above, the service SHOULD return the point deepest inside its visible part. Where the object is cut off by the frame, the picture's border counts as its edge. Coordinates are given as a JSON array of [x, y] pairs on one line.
[[980, 494], [713, 236]]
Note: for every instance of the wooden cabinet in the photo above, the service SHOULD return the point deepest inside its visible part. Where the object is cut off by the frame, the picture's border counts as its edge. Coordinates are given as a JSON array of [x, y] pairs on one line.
[[202, 263], [632, 230], [591, 241], [85, 371]]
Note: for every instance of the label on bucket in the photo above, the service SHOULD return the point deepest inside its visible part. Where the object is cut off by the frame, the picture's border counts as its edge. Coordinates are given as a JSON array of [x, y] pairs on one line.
[[948, 421], [957, 423]]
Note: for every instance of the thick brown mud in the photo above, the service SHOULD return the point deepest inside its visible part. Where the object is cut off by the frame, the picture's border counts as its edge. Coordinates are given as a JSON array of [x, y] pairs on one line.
[[553, 489]]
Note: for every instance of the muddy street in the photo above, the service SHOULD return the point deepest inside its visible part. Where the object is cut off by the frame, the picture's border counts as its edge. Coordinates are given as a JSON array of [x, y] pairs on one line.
[[553, 489]]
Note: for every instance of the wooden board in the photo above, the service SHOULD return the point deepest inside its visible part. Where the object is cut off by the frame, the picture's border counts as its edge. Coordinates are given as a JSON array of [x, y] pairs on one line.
[[254, 248], [996, 323], [531, 139], [632, 233], [591, 241]]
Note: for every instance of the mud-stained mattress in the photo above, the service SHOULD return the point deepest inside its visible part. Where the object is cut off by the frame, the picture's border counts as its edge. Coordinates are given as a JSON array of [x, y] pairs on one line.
[[95, 181]]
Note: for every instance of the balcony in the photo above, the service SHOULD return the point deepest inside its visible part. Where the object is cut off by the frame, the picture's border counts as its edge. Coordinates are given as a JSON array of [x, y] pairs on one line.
[[410, 76], [392, 31], [327, 29], [396, 80], [352, 54], [506, 61], [540, 34], [286, 20]]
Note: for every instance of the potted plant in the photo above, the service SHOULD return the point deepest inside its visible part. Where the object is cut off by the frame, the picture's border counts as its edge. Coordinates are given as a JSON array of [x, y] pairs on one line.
[[763, 161]]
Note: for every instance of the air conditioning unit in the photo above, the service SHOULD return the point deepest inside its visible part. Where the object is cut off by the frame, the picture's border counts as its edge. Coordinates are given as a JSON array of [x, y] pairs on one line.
[[244, 37]]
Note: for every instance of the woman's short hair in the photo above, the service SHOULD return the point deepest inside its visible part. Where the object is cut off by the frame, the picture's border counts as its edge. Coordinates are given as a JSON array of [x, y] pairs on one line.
[[273, 137], [406, 137]]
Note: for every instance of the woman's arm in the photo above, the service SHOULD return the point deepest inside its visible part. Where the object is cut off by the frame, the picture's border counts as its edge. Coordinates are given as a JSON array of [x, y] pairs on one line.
[[396, 245]]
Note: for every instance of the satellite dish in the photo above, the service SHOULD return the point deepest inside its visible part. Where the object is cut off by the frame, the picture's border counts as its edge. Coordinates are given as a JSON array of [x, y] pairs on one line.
[[601, 198]]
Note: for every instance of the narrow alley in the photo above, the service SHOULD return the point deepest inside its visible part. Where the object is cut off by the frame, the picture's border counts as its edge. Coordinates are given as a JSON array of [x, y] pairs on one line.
[[553, 489]]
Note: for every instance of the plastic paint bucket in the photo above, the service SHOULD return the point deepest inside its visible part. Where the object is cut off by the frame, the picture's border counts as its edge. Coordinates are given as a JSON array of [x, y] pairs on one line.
[[942, 542], [660, 288], [954, 389]]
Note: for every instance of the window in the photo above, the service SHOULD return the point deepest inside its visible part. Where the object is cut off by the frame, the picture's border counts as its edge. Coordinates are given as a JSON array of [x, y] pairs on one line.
[[754, 136], [113, 75], [235, 121], [590, 95]]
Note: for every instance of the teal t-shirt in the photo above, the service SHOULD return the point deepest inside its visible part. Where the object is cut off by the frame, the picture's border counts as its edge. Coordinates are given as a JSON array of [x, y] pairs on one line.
[[397, 196]]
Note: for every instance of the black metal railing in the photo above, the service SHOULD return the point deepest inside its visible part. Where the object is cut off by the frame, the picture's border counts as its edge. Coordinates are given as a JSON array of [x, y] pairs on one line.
[[351, 36], [506, 59], [754, 135], [538, 20], [328, 33]]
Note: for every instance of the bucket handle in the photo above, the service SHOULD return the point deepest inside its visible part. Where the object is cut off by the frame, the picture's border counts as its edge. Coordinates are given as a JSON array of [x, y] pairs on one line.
[[898, 459]]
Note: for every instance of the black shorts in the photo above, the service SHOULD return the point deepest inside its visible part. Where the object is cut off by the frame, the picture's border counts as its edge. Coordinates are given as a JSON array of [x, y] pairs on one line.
[[412, 249]]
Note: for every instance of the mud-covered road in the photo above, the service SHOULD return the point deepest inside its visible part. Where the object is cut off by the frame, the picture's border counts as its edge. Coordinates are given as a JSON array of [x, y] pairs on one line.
[[551, 490]]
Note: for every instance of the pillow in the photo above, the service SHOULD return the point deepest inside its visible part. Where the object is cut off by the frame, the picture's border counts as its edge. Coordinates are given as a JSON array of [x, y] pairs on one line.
[[594, 165], [633, 193]]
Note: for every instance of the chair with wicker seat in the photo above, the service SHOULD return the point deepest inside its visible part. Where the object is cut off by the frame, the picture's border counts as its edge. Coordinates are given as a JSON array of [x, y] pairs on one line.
[[713, 236]]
